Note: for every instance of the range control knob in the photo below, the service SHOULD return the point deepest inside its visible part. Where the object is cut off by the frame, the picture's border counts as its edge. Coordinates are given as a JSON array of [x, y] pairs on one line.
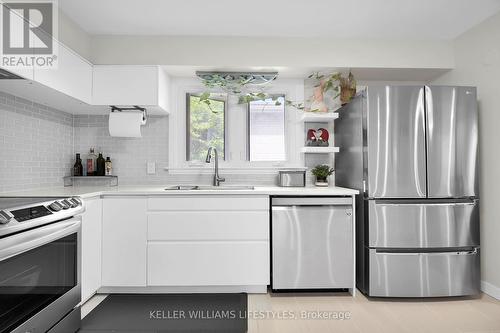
[[76, 200], [55, 207], [63, 204], [4, 217], [71, 203]]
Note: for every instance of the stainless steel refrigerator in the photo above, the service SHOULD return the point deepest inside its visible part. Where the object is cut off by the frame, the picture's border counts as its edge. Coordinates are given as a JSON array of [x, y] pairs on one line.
[[412, 151]]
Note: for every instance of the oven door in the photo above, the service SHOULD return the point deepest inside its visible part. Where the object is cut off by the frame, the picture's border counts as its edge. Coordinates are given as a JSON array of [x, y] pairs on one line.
[[39, 276]]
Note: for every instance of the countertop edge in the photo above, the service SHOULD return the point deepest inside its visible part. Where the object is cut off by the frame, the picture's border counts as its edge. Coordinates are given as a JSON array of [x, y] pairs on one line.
[[88, 193]]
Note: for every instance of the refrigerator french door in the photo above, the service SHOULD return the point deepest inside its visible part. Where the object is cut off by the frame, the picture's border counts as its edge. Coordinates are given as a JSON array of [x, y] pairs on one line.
[[452, 142], [419, 217]]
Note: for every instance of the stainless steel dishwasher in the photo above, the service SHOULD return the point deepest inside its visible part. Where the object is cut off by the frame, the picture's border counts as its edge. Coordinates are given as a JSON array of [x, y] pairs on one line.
[[312, 243]]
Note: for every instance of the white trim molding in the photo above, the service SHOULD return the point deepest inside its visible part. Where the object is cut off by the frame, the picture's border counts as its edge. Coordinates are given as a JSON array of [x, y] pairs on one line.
[[232, 171], [252, 289], [490, 289]]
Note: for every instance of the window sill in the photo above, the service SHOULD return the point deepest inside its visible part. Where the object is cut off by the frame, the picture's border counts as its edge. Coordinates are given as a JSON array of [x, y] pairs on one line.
[[196, 170]]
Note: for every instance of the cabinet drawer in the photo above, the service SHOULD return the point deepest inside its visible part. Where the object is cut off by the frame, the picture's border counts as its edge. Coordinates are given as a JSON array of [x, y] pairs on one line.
[[222, 202], [208, 263], [212, 225]]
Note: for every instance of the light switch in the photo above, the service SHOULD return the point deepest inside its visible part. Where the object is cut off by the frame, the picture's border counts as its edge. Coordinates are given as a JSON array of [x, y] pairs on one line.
[[151, 168]]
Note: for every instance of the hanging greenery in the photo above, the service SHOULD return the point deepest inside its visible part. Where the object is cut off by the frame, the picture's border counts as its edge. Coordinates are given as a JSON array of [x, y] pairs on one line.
[[245, 88]]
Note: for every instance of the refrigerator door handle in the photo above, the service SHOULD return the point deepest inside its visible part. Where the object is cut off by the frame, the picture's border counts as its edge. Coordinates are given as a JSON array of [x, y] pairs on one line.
[[419, 134], [467, 202], [438, 252]]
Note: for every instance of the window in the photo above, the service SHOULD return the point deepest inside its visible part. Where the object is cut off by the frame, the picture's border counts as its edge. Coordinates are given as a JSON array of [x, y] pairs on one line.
[[205, 125], [266, 130]]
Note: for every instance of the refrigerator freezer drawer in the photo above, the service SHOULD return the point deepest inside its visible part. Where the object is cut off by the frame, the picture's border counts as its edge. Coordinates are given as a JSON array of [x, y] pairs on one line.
[[312, 247], [424, 274], [414, 224]]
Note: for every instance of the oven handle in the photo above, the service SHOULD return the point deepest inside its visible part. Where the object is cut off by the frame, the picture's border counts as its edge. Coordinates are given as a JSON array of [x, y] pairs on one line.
[[25, 241]]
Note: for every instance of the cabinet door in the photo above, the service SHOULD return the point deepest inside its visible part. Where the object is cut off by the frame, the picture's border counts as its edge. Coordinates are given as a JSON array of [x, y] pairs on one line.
[[124, 242], [91, 247], [125, 85], [73, 75]]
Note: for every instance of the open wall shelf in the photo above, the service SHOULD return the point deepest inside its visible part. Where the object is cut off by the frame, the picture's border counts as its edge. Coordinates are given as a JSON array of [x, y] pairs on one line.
[[317, 117], [319, 150], [113, 180]]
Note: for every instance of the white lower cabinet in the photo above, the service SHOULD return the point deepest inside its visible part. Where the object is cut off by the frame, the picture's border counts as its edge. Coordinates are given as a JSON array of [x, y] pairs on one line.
[[181, 241], [124, 242], [91, 247], [208, 241], [208, 263]]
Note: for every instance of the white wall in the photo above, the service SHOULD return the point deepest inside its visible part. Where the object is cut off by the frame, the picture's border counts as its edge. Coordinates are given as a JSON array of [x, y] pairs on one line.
[[71, 35], [281, 52], [477, 54]]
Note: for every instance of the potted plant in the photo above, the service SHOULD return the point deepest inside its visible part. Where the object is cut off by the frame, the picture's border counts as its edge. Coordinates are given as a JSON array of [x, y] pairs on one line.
[[347, 88], [321, 172]]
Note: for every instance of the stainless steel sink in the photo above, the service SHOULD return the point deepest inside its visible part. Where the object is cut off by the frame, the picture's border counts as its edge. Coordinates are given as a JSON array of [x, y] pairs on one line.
[[225, 187], [209, 188], [181, 188]]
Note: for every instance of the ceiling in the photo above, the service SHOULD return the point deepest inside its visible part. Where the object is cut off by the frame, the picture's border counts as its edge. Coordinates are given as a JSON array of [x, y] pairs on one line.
[[416, 19]]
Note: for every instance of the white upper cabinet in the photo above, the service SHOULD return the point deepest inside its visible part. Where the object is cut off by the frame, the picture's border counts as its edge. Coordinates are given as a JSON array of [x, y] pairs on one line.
[[24, 72], [73, 75], [145, 86]]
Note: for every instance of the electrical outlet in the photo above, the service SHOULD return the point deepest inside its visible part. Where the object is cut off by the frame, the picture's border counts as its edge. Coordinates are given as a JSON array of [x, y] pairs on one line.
[[151, 168]]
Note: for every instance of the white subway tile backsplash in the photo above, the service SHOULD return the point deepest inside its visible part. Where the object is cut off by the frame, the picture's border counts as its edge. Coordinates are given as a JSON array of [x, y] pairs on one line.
[[38, 146]]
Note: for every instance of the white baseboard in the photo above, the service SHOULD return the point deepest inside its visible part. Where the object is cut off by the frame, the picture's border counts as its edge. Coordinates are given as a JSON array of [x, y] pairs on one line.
[[258, 289], [490, 289]]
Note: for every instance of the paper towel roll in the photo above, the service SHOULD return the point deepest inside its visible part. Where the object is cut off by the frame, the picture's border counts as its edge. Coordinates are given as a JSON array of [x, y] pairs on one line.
[[126, 124]]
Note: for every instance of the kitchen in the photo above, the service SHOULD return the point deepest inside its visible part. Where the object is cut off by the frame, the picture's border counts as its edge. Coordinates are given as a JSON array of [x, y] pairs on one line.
[[336, 180]]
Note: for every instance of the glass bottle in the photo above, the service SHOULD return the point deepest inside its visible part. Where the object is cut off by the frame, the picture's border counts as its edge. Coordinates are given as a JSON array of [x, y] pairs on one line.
[[78, 167], [100, 165], [91, 163], [109, 167]]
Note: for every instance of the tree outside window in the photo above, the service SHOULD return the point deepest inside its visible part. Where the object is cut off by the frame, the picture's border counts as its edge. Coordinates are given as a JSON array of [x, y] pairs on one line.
[[205, 126]]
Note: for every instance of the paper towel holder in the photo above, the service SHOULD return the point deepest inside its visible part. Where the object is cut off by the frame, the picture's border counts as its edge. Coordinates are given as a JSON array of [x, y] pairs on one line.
[[133, 108]]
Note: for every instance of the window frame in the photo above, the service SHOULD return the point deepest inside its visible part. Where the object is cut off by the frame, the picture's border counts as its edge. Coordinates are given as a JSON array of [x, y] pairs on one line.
[[236, 149], [188, 123]]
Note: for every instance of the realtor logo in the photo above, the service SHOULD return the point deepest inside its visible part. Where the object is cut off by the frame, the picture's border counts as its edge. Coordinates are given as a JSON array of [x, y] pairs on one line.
[[28, 30]]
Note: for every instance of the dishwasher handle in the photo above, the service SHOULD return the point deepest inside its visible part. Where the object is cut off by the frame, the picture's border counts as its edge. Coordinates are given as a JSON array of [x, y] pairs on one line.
[[311, 201]]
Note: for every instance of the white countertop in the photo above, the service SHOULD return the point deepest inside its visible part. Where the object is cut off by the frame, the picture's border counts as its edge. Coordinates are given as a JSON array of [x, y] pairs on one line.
[[91, 191]]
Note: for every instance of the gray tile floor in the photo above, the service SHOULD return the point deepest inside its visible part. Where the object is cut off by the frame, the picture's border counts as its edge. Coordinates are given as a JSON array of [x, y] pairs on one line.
[[441, 315]]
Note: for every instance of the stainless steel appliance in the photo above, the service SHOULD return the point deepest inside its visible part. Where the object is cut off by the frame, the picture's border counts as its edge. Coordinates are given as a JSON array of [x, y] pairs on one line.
[[292, 178], [40, 264], [312, 243], [412, 151]]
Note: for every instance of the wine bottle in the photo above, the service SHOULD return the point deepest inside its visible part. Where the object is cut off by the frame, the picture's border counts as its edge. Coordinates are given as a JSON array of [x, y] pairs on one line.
[[78, 167], [101, 165]]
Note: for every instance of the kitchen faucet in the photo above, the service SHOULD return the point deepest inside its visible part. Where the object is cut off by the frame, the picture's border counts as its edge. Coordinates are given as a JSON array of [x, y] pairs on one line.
[[217, 179]]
